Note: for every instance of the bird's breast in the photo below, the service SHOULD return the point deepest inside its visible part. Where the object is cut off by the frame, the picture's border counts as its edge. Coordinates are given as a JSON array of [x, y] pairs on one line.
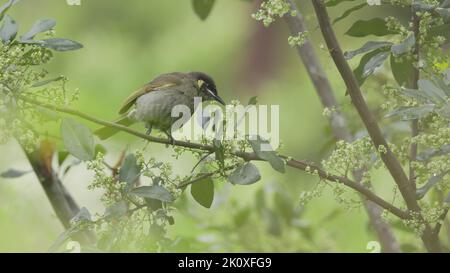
[[156, 107]]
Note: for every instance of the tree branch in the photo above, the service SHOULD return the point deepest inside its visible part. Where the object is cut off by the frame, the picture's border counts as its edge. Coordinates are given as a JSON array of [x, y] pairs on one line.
[[62, 202], [367, 117], [440, 222], [337, 120], [431, 241], [244, 155], [317, 74], [349, 183], [415, 78], [196, 179]]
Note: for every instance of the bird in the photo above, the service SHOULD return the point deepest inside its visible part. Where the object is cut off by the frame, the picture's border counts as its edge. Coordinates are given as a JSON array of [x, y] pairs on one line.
[[152, 103]]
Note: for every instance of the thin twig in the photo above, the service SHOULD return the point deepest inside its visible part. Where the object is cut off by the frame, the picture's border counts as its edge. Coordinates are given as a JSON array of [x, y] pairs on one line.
[[198, 178], [201, 159], [244, 155]]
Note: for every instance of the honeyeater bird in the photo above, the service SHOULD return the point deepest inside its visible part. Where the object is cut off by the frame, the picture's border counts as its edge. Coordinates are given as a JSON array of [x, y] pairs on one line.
[[152, 103]]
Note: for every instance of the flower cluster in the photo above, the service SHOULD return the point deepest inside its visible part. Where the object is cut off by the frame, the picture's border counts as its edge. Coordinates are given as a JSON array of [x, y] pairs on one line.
[[271, 9], [350, 157], [299, 39], [22, 74]]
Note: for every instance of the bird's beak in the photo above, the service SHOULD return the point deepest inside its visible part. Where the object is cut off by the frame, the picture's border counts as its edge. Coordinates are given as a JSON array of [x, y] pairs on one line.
[[216, 97]]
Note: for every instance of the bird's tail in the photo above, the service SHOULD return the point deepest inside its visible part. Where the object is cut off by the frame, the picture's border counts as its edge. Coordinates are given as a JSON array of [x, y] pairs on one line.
[[107, 132]]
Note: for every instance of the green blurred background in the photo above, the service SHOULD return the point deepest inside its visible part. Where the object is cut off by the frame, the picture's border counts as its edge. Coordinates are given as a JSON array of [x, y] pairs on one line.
[[126, 44]]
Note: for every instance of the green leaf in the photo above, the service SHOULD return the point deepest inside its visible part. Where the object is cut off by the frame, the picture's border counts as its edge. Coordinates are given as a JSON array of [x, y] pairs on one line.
[[45, 82], [373, 63], [409, 113], [375, 26], [8, 30], [77, 139], [202, 7], [153, 204], [153, 192], [414, 93], [441, 84], [369, 46], [405, 46], [420, 193], [117, 210], [203, 192], [254, 100], [13, 173], [99, 148], [359, 70], [6, 7], [62, 156], [83, 215], [263, 150], [444, 13], [332, 3], [349, 12], [62, 238], [59, 44], [130, 170], [402, 71], [245, 175], [39, 26], [431, 90], [419, 5]]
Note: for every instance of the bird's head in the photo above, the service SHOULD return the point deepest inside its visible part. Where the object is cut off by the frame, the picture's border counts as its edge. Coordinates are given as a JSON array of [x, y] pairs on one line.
[[206, 86]]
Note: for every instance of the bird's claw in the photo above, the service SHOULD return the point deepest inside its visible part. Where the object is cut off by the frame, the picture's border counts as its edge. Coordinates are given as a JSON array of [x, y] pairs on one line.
[[171, 139], [149, 129]]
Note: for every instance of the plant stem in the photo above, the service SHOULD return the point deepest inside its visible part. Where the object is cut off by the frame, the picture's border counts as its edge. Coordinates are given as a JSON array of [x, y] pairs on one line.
[[415, 78], [337, 121], [62, 202], [244, 155], [430, 239]]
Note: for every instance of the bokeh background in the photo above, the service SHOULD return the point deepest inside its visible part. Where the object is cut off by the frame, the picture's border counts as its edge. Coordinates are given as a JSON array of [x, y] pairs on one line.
[[126, 44]]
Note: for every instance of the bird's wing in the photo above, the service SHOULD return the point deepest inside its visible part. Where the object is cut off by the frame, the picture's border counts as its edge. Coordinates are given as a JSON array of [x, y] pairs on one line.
[[160, 83]]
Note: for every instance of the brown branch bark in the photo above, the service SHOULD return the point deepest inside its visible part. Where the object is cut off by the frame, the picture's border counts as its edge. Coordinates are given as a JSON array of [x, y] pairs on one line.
[[60, 199], [337, 121], [317, 74], [430, 239], [415, 78], [301, 165], [440, 222]]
